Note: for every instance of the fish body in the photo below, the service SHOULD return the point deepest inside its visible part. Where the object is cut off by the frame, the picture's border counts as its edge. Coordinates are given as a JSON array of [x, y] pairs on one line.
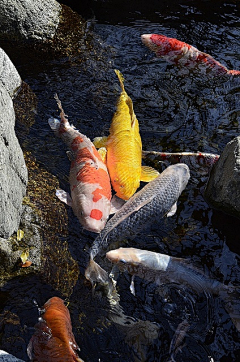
[[124, 149], [53, 340], [162, 268], [89, 179], [178, 52], [202, 162], [151, 203]]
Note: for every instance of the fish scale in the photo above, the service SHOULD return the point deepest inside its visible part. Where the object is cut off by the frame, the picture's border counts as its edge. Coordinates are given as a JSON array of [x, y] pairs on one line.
[[150, 203]]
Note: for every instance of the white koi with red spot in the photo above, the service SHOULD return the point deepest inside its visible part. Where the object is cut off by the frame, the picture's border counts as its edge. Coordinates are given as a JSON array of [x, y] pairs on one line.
[[89, 179], [183, 54]]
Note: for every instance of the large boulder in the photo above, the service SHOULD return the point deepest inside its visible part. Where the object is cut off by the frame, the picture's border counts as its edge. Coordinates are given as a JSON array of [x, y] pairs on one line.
[[13, 170], [223, 188], [29, 20]]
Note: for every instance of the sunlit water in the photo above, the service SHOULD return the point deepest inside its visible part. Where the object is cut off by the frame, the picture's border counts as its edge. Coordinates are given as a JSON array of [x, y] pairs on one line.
[[176, 112]]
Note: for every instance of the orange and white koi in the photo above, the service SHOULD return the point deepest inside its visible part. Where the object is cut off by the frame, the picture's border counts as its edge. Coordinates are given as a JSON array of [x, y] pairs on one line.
[[124, 149], [53, 340], [89, 179], [178, 52]]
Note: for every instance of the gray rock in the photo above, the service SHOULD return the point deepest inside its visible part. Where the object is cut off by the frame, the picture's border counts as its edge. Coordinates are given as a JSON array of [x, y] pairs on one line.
[[223, 188], [9, 77], [13, 170], [6, 357], [29, 20]]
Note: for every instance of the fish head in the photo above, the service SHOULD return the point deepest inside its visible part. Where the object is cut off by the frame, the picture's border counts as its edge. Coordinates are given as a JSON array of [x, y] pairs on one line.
[[156, 42], [182, 172], [92, 215], [125, 259]]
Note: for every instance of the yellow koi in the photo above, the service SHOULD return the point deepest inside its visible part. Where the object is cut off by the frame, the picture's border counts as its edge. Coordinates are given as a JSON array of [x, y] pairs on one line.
[[124, 148]]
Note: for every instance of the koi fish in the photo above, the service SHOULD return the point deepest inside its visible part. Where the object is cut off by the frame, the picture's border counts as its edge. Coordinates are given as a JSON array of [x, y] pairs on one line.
[[178, 52], [89, 179], [155, 200], [53, 340], [162, 268], [124, 149], [202, 162]]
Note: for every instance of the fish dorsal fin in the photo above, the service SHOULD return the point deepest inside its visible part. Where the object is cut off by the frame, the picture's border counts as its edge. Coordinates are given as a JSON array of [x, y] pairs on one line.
[[131, 211], [129, 103], [148, 174], [173, 210]]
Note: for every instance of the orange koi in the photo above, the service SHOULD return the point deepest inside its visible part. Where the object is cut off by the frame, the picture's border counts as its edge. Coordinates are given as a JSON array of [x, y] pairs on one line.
[[53, 340], [124, 149], [89, 179], [178, 52]]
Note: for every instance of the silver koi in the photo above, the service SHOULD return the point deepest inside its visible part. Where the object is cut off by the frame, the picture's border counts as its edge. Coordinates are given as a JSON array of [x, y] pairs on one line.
[[162, 268], [155, 200]]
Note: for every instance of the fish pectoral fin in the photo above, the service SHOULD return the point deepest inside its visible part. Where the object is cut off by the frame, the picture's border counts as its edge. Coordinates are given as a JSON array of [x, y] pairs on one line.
[[103, 153], [64, 197], [116, 204], [132, 287], [70, 155], [148, 174], [172, 210], [100, 141]]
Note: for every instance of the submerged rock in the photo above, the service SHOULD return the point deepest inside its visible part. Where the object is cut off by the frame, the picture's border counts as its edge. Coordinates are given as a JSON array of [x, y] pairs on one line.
[[223, 188]]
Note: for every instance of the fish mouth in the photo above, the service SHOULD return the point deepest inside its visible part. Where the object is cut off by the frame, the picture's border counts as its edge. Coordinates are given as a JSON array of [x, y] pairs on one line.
[[145, 38]]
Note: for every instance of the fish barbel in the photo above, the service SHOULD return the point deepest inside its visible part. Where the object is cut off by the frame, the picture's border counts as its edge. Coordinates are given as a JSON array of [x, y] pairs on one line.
[[162, 268], [89, 179], [155, 200], [53, 340], [178, 52], [124, 149]]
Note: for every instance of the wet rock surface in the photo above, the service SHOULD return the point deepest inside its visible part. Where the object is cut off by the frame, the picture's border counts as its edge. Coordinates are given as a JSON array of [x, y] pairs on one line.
[[223, 187], [29, 20], [13, 176]]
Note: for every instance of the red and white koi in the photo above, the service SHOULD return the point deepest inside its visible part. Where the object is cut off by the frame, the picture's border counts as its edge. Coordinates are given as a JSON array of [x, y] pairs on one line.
[[89, 179], [178, 52], [199, 161], [53, 340]]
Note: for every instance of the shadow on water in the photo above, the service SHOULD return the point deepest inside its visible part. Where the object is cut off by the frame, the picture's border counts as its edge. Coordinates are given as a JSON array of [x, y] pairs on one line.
[[177, 112]]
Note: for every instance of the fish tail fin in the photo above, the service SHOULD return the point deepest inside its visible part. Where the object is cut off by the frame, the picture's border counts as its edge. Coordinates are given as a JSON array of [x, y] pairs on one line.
[[231, 297], [62, 113], [120, 78], [95, 274]]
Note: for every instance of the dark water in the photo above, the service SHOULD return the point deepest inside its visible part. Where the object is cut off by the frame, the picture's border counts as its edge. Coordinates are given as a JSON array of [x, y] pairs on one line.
[[176, 112]]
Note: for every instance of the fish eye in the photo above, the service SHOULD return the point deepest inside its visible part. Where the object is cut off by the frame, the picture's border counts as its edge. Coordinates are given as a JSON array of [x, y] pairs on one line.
[[123, 261]]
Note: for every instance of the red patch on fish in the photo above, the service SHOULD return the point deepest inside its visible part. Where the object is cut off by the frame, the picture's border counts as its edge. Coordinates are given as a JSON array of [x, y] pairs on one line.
[[96, 214], [91, 175], [174, 50], [76, 142]]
